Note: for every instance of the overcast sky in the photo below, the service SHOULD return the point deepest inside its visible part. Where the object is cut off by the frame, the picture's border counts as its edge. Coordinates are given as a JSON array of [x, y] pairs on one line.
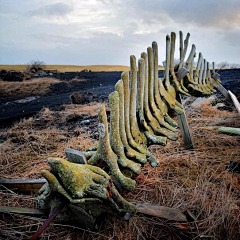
[[87, 32]]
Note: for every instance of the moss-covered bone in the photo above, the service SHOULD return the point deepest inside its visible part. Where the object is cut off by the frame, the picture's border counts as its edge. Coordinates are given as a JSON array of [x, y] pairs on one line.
[[173, 78], [151, 120], [155, 111], [138, 136], [106, 153], [150, 157], [115, 140], [168, 98], [85, 187], [151, 137], [129, 151], [161, 104]]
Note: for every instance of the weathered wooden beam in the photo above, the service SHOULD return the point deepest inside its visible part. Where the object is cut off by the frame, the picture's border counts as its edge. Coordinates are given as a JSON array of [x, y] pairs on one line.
[[159, 211], [23, 211], [222, 90], [26, 186], [183, 124]]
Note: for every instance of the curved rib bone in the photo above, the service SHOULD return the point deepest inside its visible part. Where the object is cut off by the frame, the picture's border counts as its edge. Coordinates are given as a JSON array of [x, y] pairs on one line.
[[162, 106], [171, 101], [155, 111], [138, 136], [150, 157], [115, 140], [130, 153], [151, 121], [106, 154], [174, 79], [152, 139]]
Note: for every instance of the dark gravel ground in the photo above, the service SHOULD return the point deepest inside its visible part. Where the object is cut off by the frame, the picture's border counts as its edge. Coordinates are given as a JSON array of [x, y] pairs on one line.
[[99, 83]]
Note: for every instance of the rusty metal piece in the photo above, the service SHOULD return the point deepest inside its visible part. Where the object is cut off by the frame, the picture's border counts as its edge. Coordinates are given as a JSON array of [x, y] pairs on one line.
[[48, 221]]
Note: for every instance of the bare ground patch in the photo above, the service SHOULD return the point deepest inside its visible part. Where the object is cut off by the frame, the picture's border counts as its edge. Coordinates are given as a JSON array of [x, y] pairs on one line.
[[26, 88]]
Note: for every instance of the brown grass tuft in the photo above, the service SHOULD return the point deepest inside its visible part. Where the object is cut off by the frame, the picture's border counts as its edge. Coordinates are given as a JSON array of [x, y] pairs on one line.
[[26, 88]]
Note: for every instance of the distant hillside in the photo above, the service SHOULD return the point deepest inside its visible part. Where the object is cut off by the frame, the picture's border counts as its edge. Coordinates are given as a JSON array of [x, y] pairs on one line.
[[73, 68]]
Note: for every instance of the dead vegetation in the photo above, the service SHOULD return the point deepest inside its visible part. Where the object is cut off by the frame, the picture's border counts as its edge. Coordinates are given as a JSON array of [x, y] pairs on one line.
[[196, 182], [26, 88]]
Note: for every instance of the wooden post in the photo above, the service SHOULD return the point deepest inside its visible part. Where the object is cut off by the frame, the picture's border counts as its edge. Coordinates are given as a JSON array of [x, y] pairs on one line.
[[222, 90], [186, 135]]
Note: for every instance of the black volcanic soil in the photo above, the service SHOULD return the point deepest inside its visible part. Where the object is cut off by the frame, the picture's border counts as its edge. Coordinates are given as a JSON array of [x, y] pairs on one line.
[[99, 83]]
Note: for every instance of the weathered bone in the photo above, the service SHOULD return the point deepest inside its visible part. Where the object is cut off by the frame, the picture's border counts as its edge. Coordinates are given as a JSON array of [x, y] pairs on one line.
[[151, 120], [155, 111], [138, 136], [88, 189], [169, 99], [150, 157], [183, 51], [115, 140], [209, 79], [174, 80], [106, 153], [170, 60], [129, 151], [151, 137], [162, 106], [204, 80]]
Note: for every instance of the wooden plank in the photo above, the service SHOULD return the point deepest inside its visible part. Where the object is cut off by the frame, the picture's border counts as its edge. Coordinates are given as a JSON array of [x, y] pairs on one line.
[[26, 186], [183, 124], [23, 211], [159, 211], [235, 101], [229, 130], [222, 90]]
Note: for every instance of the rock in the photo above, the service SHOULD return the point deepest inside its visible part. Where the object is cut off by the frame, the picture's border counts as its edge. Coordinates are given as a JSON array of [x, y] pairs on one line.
[[73, 118], [35, 75], [77, 98], [233, 167], [12, 76], [220, 105], [43, 74], [50, 74], [75, 156], [84, 115], [85, 122], [189, 100], [84, 70], [209, 100]]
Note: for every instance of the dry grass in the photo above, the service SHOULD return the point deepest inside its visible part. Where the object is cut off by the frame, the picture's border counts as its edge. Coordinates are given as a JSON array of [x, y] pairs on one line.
[[71, 68], [194, 182], [74, 68], [27, 88]]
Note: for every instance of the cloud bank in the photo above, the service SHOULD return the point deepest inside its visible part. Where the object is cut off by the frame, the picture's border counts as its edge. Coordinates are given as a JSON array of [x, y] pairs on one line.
[[109, 31]]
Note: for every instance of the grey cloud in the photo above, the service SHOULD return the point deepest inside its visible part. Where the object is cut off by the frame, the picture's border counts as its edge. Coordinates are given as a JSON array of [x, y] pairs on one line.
[[222, 14], [52, 10], [231, 38]]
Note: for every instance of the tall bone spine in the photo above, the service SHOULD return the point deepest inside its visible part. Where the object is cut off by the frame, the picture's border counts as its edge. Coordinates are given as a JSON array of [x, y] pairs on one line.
[[150, 157], [106, 153], [155, 111], [151, 137], [129, 151], [162, 106], [138, 136], [115, 140]]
